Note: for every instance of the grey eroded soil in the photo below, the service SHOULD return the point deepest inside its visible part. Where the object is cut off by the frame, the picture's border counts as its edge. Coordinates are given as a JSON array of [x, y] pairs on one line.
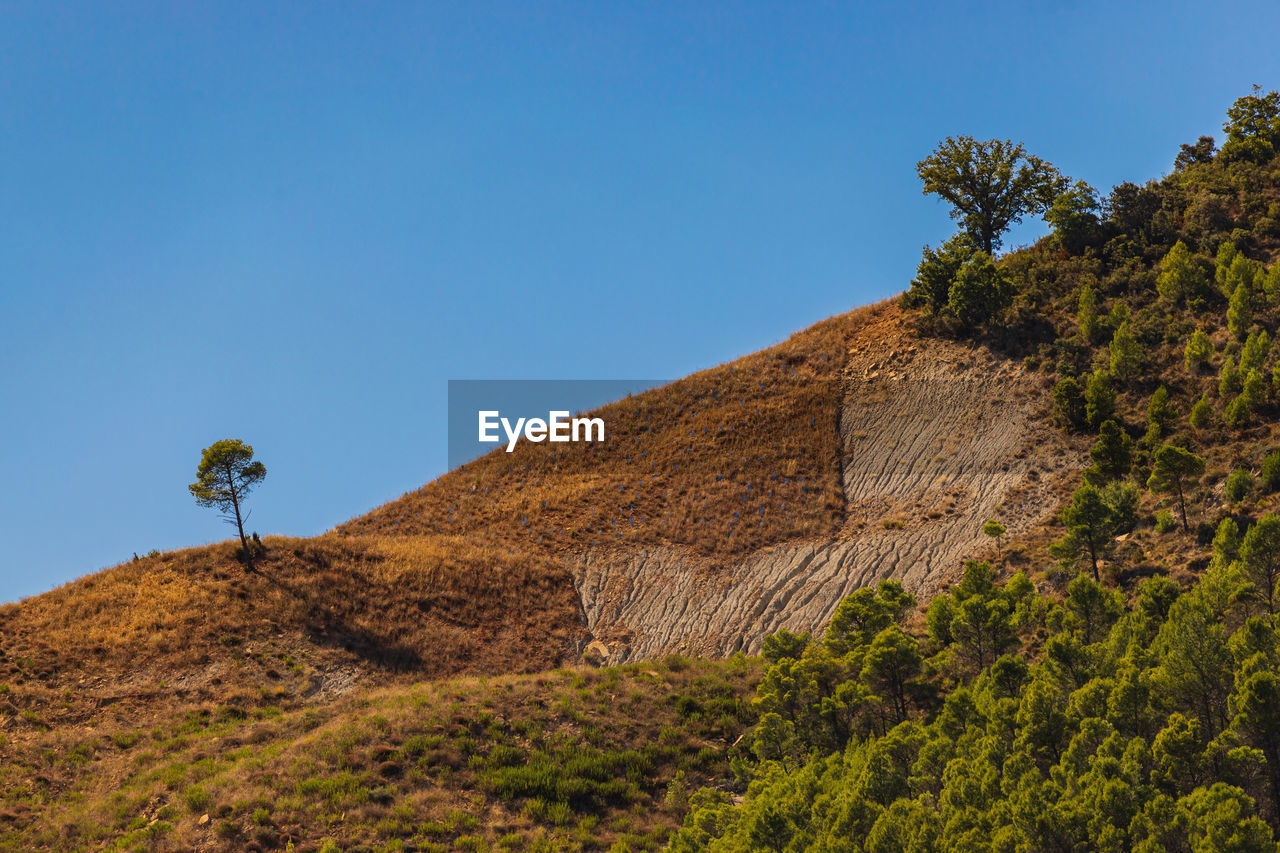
[[937, 438]]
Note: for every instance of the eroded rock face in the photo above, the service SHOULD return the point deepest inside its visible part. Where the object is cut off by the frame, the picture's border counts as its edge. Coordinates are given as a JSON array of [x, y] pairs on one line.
[[934, 443]]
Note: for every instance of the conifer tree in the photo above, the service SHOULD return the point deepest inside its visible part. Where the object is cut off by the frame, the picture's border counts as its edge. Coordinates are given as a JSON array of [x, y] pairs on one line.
[[1175, 471], [1256, 351], [1240, 305], [1222, 266], [1260, 559], [937, 271], [1126, 354], [1198, 352], [1161, 412], [1093, 519], [1184, 276], [995, 530], [1068, 400], [1229, 380], [1087, 315], [1201, 413], [1112, 456], [225, 476], [1181, 276], [1239, 486], [1099, 398]]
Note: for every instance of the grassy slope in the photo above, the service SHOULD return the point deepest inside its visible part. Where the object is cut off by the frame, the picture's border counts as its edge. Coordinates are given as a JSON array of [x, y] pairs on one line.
[[192, 626], [570, 759]]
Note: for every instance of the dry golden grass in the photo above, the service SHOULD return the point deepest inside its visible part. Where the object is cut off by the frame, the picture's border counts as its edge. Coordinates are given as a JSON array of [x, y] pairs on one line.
[[181, 622], [726, 461]]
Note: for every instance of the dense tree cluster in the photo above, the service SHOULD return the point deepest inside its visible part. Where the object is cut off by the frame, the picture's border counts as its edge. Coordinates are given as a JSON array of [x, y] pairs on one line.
[[1152, 725]]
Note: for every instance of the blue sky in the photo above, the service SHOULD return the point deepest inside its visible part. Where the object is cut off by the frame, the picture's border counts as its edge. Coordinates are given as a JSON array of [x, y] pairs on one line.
[[293, 223]]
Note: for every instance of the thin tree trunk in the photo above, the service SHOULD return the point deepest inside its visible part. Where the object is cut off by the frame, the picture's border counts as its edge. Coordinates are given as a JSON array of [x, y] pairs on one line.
[[235, 504], [1182, 504]]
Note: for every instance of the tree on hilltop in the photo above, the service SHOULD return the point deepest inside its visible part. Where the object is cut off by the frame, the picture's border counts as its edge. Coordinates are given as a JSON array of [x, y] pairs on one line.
[[225, 476], [1253, 127], [990, 185]]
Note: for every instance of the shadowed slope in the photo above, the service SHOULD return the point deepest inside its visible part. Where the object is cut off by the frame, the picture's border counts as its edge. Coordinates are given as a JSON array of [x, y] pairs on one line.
[[319, 615]]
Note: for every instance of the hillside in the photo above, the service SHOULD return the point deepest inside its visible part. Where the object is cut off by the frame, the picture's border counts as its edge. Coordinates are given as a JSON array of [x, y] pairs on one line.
[[1108, 396], [756, 495], [510, 762], [742, 499]]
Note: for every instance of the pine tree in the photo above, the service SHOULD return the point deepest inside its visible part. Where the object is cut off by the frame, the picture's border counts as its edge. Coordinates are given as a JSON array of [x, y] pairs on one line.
[[1198, 352], [1226, 543], [1175, 471], [890, 664], [1068, 400], [1181, 277], [1099, 398], [1126, 354], [1239, 486], [1201, 413], [1093, 519], [224, 478], [1253, 393], [1240, 305], [1161, 412], [995, 530], [1269, 477], [1112, 456], [1256, 352], [1260, 559], [1271, 285], [1087, 315], [1229, 379], [937, 271], [1222, 266], [981, 290], [1258, 716]]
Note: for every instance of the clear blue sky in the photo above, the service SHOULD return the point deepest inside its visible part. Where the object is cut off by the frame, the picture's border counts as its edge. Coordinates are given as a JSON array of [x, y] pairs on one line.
[[293, 223]]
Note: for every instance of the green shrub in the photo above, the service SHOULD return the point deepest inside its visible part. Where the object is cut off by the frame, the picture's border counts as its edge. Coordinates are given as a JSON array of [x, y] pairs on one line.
[[1238, 487], [1068, 400], [1269, 480], [1198, 351], [1201, 414], [124, 740], [555, 813], [196, 798]]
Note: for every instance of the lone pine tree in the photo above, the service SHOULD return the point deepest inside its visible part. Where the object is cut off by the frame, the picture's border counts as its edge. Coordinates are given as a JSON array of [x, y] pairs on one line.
[[226, 475]]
